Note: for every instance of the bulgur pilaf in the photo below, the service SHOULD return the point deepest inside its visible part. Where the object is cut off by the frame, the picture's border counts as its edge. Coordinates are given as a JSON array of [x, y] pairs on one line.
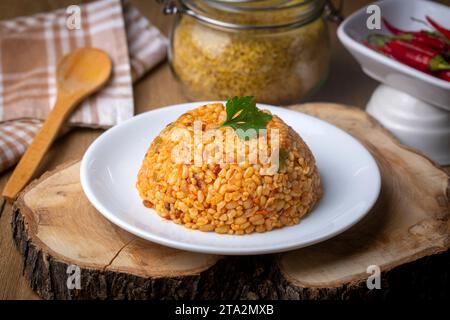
[[228, 198]]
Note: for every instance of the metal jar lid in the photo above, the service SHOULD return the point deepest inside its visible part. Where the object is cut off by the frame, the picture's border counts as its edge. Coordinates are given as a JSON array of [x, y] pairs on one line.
[[309, 10]]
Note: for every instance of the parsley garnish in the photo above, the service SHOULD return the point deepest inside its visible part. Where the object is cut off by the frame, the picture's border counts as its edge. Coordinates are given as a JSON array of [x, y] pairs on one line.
[[242, 115]]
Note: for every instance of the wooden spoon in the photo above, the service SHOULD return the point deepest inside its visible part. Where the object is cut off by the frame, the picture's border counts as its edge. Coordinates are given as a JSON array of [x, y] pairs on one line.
[[79, 74]]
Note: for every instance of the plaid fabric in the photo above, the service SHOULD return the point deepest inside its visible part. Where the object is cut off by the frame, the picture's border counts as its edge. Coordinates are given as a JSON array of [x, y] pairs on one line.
[[30, 48]]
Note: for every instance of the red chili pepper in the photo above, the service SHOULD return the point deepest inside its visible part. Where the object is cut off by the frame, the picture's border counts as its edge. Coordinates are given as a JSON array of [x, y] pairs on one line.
[[378, 41], [438, 27], [419, 37], [444, 75], [424, 48], [416, 57], [423, 38]]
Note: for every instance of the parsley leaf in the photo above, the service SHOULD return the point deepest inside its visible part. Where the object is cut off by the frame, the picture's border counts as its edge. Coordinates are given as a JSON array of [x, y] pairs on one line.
[[243, 115]]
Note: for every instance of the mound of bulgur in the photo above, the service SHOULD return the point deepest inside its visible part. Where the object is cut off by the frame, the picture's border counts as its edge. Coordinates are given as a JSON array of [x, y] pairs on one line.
[[228, 198]]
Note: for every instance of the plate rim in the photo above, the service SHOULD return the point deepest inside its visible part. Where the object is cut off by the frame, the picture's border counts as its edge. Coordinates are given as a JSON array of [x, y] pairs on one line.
[[201, 248]]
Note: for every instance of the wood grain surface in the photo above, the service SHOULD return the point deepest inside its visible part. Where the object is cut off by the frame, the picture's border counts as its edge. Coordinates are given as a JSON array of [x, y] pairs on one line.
[[346, 84]]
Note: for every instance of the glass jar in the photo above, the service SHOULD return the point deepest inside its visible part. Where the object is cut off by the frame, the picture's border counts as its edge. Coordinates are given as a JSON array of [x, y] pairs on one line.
[[274, 50]]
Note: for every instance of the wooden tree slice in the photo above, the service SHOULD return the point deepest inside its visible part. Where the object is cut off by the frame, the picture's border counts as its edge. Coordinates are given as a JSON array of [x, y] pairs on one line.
[[409, 221], [55, 227]]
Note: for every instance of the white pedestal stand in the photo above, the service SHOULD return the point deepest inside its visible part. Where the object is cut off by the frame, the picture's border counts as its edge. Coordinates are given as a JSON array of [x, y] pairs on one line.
[[414, 122]]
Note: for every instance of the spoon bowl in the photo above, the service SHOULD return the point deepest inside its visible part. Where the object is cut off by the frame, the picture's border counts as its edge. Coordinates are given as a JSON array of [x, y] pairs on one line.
[[83, 71]]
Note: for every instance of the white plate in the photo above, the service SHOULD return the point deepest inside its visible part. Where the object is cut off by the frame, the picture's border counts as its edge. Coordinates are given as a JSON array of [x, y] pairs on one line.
[[350, 177]]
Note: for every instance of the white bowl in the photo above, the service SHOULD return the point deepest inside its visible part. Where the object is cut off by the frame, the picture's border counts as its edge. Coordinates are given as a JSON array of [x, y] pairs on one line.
[[398, 75], [350, 177]]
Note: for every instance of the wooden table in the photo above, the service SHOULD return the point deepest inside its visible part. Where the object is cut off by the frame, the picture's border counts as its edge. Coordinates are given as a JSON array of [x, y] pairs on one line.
[[347, 85]]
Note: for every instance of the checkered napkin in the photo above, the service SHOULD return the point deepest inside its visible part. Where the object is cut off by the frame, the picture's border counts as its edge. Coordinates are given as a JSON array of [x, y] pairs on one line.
[[30, 48]]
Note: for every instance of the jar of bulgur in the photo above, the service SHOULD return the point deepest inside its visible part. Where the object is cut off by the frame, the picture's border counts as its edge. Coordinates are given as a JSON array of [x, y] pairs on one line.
[[274, 50]]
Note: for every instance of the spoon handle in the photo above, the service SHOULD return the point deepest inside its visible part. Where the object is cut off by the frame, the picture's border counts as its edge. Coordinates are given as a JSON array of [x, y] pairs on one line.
[[30, 161]]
